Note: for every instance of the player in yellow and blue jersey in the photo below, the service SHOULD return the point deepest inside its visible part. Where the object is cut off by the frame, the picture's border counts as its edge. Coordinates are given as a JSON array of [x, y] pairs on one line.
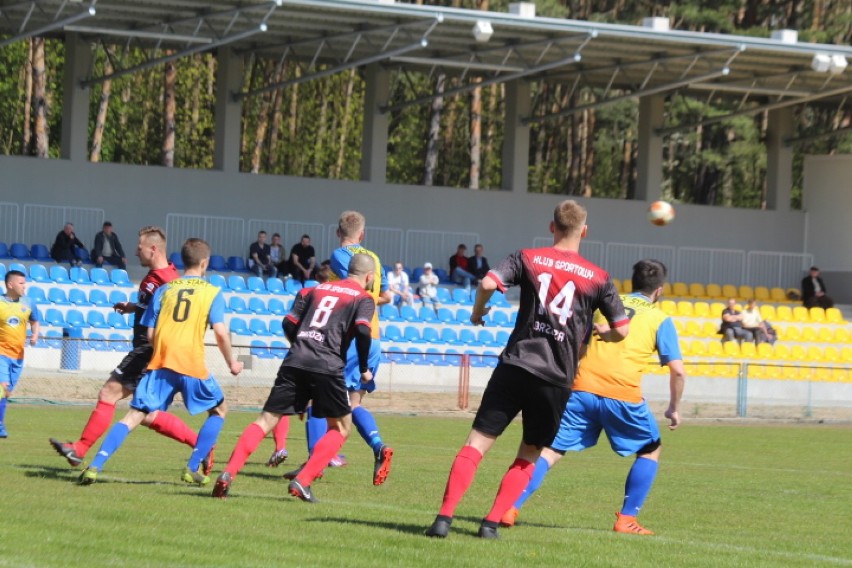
[[177, 318], [16, 310], [607, 395]]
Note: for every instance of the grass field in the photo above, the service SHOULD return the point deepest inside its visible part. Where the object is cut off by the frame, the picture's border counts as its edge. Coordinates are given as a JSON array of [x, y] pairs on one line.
[[727, 495]]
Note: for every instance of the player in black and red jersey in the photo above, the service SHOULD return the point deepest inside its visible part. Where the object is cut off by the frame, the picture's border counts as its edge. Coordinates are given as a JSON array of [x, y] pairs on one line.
[[320, 327], [560, 290], [151, 250]]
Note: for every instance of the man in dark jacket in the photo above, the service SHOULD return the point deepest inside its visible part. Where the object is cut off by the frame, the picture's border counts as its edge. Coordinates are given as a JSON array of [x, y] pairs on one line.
[[814, 292], [108, 248], [478, 264], [65, 244]]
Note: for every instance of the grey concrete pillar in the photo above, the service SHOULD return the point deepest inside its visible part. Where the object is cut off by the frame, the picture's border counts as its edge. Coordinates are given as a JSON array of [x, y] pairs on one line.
[[374, 144], [516, 139], [226, 142], [779, 159], [74, 143], [649, 167]]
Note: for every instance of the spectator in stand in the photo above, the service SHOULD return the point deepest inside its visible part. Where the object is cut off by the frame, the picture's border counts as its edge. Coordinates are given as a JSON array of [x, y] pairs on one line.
[[108, 248], [399, 286], [814, 291], [753, 323], [458, 268], [771, 332], [302, 259], [63, 249], [478, 264], [259, 260], [732, 324], [428, 290], [277, 255]]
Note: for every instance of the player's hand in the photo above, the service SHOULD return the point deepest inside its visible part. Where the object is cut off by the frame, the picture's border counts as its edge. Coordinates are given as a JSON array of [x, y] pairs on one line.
[[123, 307], [674, 418], [366, 376], [477, 318], [236, 366], [33, 339]]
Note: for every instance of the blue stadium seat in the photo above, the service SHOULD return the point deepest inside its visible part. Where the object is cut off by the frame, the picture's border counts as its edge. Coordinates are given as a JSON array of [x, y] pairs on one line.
[[237, 264], [462, 296], [77, 297], [278, 349], [500, 318], [443, 276], [4, 250], [52, 316], [490, 358], [275, 286], [239, 326], [276, 328], [40, 252], [117, 321], [2, 270], [413, 355], [175, 259], [119, 342], [412, 334], [219, 281], [237, 305], [392, 333], [503, 337], [20, 268], [463, 316], [237, 284], [407, 313], [37, 295], [450, 336], [257, 306], [75, 318], [217, 263], [96, 319], [445, 315], [444, 296], [388, 312], [117, 296], [499, 300], [20, 251], [258, 326], [427, 314], [415, 276], [292, 286], [53, 338], [255, 285], [100, 277], [59, 274], [82, 255], [276, 306], [310, 283], [260, 350], [79, 275], [98, 297], [57, 296], [98, 342], [431, 335], [134, 296], [467, 337], [486, 337], [435, 357], [38, 273], [119, 277], [395, 354]]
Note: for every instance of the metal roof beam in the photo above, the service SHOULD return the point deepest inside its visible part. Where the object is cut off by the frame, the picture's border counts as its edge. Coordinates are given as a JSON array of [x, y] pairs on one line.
[[817, 135], [54, 25], [138, 34]]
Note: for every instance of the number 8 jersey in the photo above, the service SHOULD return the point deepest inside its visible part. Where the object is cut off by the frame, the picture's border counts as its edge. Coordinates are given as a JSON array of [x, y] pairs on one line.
[[560, 291]]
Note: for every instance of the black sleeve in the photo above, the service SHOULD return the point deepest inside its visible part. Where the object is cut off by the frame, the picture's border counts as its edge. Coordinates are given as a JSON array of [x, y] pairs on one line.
[[362, 345], [290, 330]]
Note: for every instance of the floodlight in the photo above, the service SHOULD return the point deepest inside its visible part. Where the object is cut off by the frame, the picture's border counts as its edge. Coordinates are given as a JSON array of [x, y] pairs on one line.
[[482, 31]]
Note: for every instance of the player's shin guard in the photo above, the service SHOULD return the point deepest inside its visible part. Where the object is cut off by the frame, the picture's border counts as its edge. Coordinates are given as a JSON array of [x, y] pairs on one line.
[[367, 427], [461, 476], [638, 485], [280, 432], [315, 429], [514, 481], [207, 437], [99, 421], [173, 427], [114, 438], [249, 440], [542, 466], [325, 449]]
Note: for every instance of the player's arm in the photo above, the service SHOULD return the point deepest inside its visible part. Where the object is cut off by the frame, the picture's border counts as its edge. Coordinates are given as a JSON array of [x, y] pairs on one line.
[[34, 326], [363, 340], [487, 287], [385, 293], [677, 379], [612, 308]]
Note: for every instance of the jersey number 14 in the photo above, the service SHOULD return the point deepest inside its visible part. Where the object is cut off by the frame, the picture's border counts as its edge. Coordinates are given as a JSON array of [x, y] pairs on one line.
[[561, 303]]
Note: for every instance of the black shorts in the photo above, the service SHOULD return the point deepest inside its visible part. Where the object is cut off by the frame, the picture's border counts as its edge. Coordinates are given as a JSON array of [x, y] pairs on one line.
[[133, 366], [512, 390], [294, 387]]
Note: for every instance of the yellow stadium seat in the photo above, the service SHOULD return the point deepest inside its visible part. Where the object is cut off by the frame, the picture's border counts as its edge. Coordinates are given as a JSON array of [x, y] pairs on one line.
[[834, 315], [825, 335], [713, 291], [791, 373], [731, 349], [816, 314], [669, 307], [748, 350], [777, 295], [684, 309], [714, 349], [809, 334], [698, 348], [814, 353], [798, 353], [746, 292], [617, 283], [792, 333], [821, 374], [767, 312], [729, 291], [761, 293], [784, 313], [680, 327], [716, 309], [831, 354], [800, 314], [626, 286], [841, 335], [840, 375], [701, 309], [757, 371], [782, 352], [709, 329], [667, 289], [696, 290], [846, 354], [692, 328], [765, 351], [680, 289]]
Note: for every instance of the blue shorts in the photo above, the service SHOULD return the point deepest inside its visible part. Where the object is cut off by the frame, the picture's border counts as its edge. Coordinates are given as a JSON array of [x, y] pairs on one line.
[[352, 373], [157, 389], [630, 426], [10, 371]]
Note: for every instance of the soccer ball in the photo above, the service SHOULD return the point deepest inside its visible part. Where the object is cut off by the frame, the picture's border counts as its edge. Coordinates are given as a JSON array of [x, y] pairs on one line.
[[661, 213]]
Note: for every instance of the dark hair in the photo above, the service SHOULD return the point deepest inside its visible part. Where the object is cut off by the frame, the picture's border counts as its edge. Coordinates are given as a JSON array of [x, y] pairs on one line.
[[261, 233], [13, 273], [107, 224], [648, 275], [306, 236], [276, 235], [814, 268]]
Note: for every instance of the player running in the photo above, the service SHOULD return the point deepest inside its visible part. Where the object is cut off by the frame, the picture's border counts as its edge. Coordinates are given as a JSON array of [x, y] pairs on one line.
[[607, 396]]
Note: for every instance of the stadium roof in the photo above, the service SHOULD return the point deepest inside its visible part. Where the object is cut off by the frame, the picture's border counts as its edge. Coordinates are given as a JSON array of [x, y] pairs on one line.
[[329, 36]]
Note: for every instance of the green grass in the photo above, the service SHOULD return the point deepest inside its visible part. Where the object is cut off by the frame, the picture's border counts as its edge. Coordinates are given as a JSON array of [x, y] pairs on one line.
[[726, 495]]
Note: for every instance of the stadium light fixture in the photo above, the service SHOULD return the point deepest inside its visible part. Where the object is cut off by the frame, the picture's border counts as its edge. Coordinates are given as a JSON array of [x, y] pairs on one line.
[[838, 64], [482, 31]]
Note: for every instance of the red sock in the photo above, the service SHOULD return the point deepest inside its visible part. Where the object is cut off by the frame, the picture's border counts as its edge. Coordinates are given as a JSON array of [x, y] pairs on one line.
[[173, 427], [99, 421], [514, 482], [461, 476], [325, 449], [249, 440], [280, 433]]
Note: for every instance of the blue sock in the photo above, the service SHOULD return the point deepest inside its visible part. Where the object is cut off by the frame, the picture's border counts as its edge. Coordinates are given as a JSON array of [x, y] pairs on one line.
[[207, 437], [367, 427], [315, 428], [114, 438], [3, 409], [638, 485], [541, 469]]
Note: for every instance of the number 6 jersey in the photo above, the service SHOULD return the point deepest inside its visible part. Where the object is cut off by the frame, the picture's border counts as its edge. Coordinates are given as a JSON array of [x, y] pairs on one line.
[[560, 291]]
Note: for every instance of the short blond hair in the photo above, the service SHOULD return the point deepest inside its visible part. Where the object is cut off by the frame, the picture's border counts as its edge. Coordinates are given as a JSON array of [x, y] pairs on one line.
[[350, 224], [569, 217], [155, 234], [193, 252]]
